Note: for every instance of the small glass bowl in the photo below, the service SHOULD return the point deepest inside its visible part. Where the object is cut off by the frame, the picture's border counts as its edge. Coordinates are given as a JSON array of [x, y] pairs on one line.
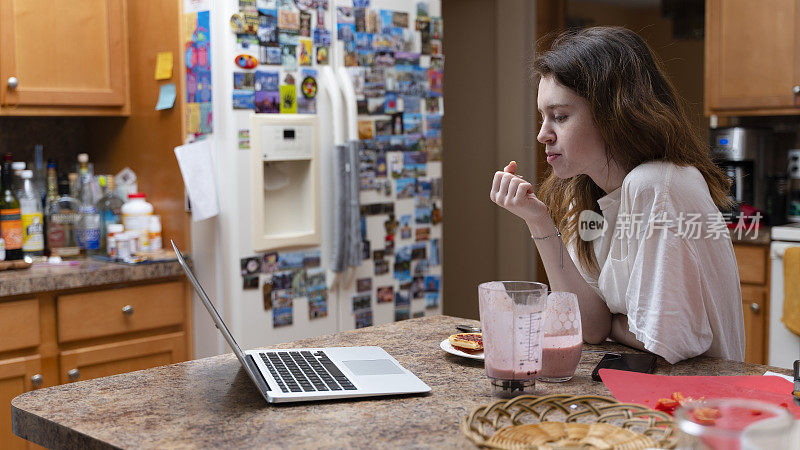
[[740, 424]]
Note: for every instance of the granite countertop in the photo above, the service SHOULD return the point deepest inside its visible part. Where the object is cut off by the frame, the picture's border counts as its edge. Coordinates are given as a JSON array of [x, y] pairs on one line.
[[81, 274], [211, 402]]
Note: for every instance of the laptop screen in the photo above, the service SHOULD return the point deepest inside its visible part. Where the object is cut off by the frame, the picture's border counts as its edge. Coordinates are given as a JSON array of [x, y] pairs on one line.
[[210, 307]]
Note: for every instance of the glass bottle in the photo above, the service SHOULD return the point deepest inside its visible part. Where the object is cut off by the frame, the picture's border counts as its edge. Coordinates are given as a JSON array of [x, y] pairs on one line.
[[109, 207], [51, 196], [62, 220], [10, 214], [32, 221]]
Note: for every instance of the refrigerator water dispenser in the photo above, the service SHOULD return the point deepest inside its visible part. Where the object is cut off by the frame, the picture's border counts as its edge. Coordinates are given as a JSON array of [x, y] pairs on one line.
[[285, 181]]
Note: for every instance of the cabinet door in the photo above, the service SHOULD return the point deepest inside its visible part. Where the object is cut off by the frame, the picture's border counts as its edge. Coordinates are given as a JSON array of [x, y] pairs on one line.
[[98, 361], [15, 379], [751, 54], [755, 315], [63, 53]]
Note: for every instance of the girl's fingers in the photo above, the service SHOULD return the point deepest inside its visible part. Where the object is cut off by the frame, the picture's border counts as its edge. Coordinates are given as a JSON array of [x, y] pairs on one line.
[[524, 190], [498, 177], [502, 191], [512, 188]]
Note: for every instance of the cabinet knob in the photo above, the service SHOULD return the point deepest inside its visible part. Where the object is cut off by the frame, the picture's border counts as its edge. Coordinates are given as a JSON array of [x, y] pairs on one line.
[[796, 90], [37, 379], [74, 374], [754, 307], [13, 82], [127, 310]]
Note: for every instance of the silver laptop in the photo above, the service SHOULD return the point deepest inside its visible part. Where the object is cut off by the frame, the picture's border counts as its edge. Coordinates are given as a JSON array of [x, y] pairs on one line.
[[305, 374]]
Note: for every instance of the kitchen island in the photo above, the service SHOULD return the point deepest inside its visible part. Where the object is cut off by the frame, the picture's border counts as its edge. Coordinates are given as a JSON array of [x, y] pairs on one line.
[[211, 402]]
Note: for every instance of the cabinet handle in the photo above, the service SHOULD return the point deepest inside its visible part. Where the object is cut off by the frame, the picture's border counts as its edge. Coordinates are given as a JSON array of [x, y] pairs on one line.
[[127, 310], [74, 374], [796, 90], [37, 379], [13, 82], [754, 307]]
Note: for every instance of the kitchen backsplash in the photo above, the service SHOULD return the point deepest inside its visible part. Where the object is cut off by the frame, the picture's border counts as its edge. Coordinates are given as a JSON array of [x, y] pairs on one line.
[[62, 137]]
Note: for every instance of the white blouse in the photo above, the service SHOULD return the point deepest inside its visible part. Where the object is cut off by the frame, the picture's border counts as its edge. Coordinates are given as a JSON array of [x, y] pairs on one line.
[[679, 286]]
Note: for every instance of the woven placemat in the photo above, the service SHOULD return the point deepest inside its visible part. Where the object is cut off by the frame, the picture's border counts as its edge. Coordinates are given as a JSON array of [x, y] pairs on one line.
[[563, 420]]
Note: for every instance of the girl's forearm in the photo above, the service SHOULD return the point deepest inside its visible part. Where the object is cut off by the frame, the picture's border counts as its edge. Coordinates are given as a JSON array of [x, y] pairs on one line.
[[622, 334]]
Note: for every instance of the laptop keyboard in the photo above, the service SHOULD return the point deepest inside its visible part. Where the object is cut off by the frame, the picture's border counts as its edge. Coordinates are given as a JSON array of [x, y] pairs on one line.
[[305, 372]]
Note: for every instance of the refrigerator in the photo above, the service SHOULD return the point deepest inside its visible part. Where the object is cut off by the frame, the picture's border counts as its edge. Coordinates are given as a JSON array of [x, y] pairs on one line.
[[324, 123]]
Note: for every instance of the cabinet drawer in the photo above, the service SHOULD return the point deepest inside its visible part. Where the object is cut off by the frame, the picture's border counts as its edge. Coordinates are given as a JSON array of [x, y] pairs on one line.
[[114, 311], [103, 360], [752, 262], [19, 324]]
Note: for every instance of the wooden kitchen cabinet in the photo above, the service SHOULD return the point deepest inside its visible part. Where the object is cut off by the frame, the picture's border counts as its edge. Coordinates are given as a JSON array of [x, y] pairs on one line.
[[16, 377], [752, 57], [68, 58], [754, 276], [79, 334]]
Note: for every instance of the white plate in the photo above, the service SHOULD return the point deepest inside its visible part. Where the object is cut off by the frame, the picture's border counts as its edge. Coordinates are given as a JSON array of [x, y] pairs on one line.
[[448, 347]]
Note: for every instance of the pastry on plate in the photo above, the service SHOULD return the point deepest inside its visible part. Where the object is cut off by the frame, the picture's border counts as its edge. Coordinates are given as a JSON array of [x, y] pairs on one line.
[[471, 342]]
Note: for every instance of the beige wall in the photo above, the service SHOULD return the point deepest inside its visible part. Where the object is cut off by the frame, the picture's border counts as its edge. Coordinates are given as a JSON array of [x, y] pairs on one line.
[[487, 122], [682, 58]]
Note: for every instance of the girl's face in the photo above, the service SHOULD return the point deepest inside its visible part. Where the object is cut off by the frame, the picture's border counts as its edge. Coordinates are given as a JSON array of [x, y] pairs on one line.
[[572, 140]]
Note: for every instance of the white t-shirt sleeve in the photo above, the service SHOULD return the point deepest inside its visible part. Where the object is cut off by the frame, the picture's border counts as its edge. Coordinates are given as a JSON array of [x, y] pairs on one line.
[[666, 310]]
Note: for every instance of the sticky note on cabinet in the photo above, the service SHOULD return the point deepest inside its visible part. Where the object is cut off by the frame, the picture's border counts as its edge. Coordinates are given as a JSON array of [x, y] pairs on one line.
[[166, 96], [164, 66]]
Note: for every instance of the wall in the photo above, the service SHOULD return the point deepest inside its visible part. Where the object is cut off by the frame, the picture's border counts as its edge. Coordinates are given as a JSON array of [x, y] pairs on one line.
[[682, 58], [487, 122]]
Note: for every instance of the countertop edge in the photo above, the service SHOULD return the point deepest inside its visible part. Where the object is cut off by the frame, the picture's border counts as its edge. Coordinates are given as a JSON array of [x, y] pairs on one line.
[[51, 434]]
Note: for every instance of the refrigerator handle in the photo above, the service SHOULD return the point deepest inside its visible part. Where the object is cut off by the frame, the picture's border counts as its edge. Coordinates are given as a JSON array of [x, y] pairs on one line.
[[354, 207], [331, 89], [350, 106]]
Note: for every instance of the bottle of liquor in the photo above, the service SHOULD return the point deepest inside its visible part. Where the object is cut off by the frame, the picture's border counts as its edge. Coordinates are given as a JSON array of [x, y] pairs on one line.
[[62, 218], [51, 197], [89, 228], [109, 207], [32, 221], [10, 214]]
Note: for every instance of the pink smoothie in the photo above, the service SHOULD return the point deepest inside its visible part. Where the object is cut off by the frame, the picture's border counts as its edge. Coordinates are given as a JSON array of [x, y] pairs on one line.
[[560, 356]]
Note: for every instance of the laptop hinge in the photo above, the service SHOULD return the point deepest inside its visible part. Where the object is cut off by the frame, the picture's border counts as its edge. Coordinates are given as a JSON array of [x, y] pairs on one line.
[[259, 378]]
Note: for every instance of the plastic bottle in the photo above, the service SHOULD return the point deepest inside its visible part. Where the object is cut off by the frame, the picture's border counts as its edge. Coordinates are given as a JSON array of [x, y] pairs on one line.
[[2, 249], [154, 233], [32, 219], [136, 214], [89, 228]]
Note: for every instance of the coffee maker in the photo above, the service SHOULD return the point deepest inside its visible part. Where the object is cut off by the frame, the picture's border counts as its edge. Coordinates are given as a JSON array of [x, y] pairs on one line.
[[742, 153]]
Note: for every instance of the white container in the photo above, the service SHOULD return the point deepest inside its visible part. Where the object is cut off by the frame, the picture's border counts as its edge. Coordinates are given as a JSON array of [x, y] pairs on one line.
[[114, 229], [2, 249], [125, 243], [154, 233], [136, 213]]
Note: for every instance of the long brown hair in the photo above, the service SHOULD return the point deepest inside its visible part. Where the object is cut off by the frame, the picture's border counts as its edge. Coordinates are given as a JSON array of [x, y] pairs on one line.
[[637, 110]]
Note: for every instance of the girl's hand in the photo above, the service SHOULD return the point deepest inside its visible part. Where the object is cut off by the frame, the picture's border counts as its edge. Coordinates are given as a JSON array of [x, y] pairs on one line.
[[513, 193]]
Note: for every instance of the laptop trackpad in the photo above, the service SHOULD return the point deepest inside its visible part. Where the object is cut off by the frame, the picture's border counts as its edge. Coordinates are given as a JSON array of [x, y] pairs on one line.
[[373, 367]]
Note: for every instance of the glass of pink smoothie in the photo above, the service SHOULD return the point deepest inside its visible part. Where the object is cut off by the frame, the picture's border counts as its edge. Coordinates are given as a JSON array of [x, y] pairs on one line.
[[563, 338], [511, 321]]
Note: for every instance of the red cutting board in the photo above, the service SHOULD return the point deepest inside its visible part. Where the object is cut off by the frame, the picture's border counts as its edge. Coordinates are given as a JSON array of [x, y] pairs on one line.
[[646, 389]]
